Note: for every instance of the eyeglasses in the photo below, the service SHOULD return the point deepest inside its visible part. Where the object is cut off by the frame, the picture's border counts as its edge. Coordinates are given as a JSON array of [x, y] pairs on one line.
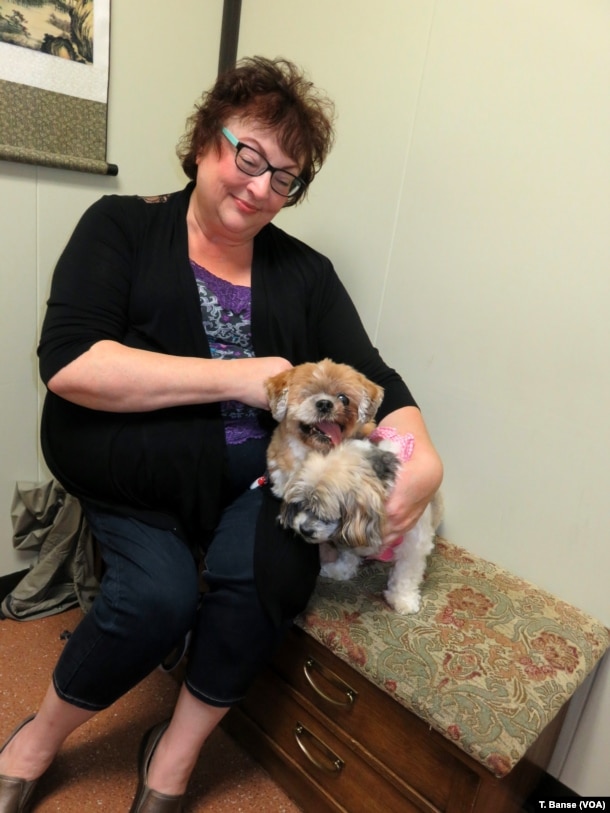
[[250, 161]]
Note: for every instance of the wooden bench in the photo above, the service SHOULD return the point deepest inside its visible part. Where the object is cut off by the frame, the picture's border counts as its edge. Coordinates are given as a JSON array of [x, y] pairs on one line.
[[457, 708]]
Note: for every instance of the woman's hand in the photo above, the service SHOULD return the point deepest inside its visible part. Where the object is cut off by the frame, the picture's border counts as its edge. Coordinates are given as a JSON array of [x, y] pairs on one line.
[[418, 479], [251, 375]]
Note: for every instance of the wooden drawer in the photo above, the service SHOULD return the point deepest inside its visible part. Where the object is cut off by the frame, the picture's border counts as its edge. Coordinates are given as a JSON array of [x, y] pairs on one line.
[[335, 694], [339, 744], [331, 763]]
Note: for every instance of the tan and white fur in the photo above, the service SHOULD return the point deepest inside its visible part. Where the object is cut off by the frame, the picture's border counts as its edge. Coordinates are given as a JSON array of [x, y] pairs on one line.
[[318, 406], [334, 482], [339, 498]]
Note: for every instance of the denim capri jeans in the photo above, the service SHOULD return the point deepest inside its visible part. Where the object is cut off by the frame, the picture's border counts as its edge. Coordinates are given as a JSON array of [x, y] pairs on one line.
[[150, 599]]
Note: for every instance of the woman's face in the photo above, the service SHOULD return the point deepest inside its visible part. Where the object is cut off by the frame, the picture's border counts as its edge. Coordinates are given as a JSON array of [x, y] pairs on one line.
[[232, 205]]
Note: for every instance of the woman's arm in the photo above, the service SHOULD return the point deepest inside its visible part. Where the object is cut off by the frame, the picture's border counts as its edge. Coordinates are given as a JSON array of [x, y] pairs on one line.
[[114, 378], [112, 335], [418, 479]]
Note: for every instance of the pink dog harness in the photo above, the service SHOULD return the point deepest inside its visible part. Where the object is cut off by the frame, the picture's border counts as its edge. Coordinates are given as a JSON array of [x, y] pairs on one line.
[[405, 443]]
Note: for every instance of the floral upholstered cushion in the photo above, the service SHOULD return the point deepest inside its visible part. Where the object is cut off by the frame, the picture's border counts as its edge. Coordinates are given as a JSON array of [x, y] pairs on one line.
[[488, 660]]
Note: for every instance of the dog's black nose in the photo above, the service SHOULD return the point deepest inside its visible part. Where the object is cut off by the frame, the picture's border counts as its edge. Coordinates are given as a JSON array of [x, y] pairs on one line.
[[324, 406]]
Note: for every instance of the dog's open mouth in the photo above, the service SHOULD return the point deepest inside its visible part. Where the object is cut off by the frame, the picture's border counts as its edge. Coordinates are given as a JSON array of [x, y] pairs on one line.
[[324, 431]]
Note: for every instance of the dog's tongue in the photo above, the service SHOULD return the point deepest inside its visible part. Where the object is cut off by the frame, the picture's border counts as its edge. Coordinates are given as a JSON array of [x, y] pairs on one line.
[[331, 430]]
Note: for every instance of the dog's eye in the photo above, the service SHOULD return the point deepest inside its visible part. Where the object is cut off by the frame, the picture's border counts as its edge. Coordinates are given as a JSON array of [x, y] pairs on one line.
[[343, 398]]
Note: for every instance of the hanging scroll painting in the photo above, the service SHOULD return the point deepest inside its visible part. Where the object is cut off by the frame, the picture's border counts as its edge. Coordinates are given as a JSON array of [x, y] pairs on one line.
[[54, 62]]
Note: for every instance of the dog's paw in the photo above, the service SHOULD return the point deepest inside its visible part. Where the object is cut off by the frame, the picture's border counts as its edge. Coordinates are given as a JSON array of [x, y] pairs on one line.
[[403, 604], [343, 568], [334, 570]]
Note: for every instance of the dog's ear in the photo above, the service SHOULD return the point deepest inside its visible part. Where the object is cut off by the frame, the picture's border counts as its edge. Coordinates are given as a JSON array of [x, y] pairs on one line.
[[363, 514], [384, 463], [276, 388], [288, 511], [354, 523], [361, 528], [279, 405], [370, 402]]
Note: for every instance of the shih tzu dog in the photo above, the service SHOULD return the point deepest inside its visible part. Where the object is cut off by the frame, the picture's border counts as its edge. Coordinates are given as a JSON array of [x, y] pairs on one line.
[[317, 406], [338, 501], [339, 498], [333, 470]]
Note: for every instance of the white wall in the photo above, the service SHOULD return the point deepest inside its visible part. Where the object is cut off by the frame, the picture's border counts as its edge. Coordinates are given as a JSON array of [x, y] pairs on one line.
[[161, 60], [466, 205]]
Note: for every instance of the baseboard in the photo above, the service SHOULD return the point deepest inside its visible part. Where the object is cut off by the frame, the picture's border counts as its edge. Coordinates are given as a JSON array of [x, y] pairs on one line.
[[548, 788], [9, 582]]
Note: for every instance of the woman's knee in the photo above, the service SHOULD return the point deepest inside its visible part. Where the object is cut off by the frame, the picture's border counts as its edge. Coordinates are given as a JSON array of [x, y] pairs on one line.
[[170, 600], [150, 587]]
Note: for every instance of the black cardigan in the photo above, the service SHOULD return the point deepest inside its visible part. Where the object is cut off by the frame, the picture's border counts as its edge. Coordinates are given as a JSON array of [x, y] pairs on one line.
[[125, 275]]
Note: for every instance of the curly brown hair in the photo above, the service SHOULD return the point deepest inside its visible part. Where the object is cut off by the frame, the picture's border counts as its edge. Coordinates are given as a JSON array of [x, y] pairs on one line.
[[272, 92]]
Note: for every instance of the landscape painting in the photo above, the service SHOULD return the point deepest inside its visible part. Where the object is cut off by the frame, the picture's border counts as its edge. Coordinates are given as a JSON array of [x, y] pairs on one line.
[[61, 28]]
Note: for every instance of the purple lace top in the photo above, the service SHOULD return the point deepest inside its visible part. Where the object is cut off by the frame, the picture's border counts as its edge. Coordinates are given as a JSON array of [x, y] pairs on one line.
[[226, 315]]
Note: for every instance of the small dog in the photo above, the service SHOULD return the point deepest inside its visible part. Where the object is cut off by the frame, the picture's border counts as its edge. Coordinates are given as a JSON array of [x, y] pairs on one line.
[[317, 406], [333, 480], [339, 498]]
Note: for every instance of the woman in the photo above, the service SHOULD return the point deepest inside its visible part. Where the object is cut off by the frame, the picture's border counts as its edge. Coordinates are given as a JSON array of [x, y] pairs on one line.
[[165, 318]]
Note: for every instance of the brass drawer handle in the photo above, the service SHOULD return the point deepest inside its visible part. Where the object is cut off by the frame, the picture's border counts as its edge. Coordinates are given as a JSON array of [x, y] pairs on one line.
[[341, 686], [334, 765]]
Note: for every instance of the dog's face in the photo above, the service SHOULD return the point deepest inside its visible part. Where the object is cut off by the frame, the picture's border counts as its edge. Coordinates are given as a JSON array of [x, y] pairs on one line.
[[340, 497], [323, 403], [312, 506]]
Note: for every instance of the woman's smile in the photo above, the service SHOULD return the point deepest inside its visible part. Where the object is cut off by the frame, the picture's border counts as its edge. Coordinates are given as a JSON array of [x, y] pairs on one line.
[[245, 206]]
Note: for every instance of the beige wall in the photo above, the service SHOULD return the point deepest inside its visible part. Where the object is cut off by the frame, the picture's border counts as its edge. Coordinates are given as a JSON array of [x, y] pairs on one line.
[[466, 205]]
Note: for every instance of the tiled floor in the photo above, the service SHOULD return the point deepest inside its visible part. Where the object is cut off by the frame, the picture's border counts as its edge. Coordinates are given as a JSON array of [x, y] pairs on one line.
[[96, 769]]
